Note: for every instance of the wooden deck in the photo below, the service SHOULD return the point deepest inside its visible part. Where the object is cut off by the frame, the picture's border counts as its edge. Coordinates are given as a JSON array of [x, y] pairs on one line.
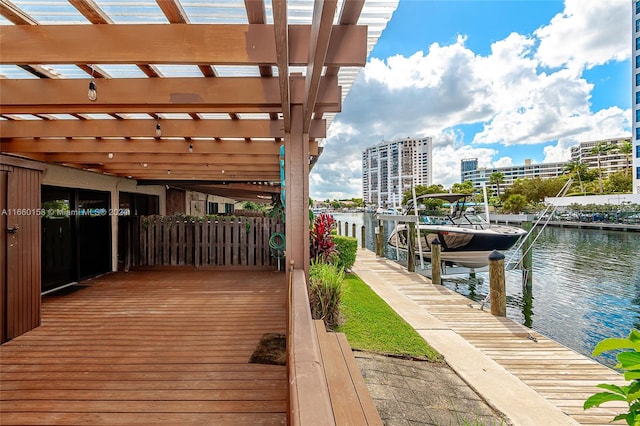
[[562, 376], [150, 348]]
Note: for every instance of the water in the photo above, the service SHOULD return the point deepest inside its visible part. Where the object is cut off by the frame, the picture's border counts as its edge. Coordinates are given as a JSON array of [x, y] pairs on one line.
[[586, 284]]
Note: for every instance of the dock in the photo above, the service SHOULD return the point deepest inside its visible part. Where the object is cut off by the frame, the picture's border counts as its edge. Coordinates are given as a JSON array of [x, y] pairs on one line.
[[530, 378]]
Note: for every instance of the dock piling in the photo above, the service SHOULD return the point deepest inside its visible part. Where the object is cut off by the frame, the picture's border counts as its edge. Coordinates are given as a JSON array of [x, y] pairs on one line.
[[497, 286], [362, 234], [527, 256], [411, 254], [435, 262]]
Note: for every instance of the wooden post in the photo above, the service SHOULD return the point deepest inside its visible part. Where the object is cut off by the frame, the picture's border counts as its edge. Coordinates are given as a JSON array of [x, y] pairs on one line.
[[527, 256], [497, 287], [411, 255], [361, 236], [435, 262], [346, 229], [378, 239], [339, 228], [353, 230]]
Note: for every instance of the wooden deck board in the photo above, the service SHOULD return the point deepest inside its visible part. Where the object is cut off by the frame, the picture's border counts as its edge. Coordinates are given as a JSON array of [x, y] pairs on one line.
[[150, 348], [562, 376]]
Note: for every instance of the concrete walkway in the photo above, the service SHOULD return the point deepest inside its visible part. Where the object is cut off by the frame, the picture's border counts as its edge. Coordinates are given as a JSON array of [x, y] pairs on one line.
[[529, 378]]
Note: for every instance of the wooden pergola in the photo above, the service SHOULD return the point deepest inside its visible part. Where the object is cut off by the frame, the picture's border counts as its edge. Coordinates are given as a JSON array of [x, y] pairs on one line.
[[242, 90]]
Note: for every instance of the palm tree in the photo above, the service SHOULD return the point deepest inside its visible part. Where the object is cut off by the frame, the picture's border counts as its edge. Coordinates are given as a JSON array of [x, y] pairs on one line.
[[497, 178], [626, 148], [578, 169], [599, 149]]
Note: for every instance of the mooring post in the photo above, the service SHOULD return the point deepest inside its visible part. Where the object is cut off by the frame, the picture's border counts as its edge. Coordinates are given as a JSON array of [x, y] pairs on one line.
[[435, 262], [346, 229], [381, 238], [353, 230], [411, 255], [339, 227], [362, 236], [497, 286], [527, 256]]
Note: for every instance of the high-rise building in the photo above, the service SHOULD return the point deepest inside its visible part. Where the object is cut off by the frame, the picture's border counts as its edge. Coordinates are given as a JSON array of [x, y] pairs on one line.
[[481, 176], [392, 167], [635, 91]]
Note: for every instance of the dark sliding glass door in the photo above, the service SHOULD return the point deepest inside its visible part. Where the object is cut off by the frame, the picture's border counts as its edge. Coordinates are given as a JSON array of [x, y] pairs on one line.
[[76, 235]]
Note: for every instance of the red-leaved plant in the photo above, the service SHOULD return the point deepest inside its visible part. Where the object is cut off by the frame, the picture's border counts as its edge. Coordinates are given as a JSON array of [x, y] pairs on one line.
[[323, 248]]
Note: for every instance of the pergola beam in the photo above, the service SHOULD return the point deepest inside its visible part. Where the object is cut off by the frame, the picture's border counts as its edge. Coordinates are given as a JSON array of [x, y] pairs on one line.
[[146, 128], [219, 44], [145, 147], [156, 95]]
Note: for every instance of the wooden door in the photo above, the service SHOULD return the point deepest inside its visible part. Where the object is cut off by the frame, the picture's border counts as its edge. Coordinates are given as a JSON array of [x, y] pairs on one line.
[[3, 256], [21, 246]]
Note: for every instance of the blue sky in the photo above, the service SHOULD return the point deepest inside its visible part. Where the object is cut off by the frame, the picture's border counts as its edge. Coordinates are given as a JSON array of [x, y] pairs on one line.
[[501, 81]]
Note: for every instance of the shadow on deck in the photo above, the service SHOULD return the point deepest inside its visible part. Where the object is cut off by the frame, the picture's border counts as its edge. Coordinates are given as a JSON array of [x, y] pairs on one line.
[[150, 347]]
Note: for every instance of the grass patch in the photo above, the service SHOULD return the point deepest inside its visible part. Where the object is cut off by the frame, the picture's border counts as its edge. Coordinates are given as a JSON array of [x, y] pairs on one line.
[[370, 324]]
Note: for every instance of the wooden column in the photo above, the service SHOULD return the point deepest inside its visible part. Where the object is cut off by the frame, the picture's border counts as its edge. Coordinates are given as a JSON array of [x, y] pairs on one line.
[[296, 169]]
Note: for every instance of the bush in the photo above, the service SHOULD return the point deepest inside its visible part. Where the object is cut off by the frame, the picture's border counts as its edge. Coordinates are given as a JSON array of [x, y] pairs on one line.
[[347, 248], [325, 281]]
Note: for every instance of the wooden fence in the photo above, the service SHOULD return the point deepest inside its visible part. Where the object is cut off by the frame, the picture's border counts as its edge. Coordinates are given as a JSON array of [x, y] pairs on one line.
[[224, 241]]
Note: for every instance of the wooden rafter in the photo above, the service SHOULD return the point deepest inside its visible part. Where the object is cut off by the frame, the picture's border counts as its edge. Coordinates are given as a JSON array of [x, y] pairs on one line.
[[323, 13], [282, 55]]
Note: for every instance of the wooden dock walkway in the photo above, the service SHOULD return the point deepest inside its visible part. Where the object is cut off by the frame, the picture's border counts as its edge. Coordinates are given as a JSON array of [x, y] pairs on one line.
[[519, 371], [150, 348]]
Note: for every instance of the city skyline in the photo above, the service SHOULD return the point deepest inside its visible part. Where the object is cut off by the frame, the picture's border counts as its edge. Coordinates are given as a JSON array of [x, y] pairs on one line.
[[494, 80]]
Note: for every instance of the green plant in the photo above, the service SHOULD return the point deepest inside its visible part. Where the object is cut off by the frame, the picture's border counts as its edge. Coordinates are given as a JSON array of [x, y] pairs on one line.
[[347, 248], [322, 246], [629, 363], [325, 292]]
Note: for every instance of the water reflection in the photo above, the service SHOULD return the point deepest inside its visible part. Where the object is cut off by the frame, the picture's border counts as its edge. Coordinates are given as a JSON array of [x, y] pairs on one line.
[[586, 284]]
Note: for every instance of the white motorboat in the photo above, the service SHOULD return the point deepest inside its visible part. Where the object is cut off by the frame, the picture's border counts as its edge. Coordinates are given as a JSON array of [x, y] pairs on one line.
[[466, 239]]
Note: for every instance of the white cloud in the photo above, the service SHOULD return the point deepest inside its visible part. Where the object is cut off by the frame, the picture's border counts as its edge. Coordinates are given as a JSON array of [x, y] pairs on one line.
[[586, 34], [527, 90]]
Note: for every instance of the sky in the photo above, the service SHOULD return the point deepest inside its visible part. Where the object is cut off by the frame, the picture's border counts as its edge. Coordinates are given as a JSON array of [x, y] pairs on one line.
[[498, 80]]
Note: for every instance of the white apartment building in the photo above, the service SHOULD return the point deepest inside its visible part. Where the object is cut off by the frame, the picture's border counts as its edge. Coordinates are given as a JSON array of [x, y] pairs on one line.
[[611, 161], [393, 167], [635, 93], [481, 176]]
